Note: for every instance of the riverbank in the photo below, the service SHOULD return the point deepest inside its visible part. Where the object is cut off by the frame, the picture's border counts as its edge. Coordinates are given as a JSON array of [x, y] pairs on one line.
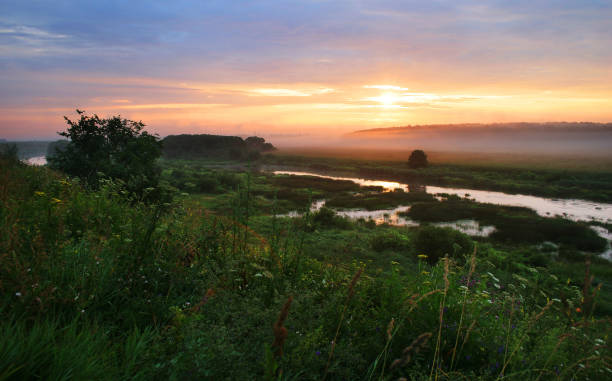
[[545, 181]]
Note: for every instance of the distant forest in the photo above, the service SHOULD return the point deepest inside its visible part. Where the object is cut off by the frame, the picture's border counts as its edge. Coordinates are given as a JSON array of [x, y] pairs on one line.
[[215, 146]]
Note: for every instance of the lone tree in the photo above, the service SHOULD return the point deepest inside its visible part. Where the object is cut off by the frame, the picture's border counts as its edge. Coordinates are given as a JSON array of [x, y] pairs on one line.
[[109, 148], [418, 159]]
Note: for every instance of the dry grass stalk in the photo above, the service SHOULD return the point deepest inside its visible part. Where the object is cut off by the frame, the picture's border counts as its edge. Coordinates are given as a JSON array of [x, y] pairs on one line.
[[414, 348], [588, 296], [413, 301], [209, 294], [441, 317], [446, 271], [390, 329], [351, 290], [469, 277], [280, 332], [561, 340], [468, 332]]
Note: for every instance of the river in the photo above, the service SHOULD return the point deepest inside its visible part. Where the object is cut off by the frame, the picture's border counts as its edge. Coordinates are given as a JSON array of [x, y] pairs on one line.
[[573, 209]]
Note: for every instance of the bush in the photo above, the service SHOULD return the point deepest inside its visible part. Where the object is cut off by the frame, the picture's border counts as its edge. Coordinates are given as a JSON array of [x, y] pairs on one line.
[[436, 242], [110, 148], [327, 218], [389, 240]]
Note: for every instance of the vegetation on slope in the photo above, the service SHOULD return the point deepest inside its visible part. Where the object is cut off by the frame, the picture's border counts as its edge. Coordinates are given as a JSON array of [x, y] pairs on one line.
[[95, 285]]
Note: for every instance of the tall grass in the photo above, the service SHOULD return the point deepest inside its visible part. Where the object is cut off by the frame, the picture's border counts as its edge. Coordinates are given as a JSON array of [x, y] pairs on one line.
[[94, 285]]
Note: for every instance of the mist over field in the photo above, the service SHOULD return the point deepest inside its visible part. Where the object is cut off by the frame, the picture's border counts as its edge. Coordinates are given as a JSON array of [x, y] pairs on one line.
[[577, 139]]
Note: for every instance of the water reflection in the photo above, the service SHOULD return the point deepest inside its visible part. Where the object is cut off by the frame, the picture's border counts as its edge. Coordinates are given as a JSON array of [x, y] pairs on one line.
[[391, 217], [37, 160], [573, 209]]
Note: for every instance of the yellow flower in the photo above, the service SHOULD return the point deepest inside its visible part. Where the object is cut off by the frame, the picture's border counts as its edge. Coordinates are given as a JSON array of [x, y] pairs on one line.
[[425, 272], [56, 200], [422, 256], [39, 193]]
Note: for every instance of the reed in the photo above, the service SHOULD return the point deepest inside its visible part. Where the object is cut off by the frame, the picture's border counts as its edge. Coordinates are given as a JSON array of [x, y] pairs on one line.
[[349, 296], [440, 318], [465, 293], [414, 348], [280, 332], [520, 342]]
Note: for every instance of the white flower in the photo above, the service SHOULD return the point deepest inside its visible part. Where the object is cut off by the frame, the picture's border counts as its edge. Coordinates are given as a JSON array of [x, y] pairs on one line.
[[18, 294]]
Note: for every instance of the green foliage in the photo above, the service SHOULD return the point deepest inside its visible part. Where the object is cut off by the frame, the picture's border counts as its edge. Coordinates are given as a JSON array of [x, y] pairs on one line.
[[437, 242], [109, 148], [56, 146], [390, 240], [327, 218]]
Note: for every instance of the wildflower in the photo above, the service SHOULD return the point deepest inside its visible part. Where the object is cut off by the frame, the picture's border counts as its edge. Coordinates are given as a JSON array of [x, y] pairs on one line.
[[318, 353], [56, 200], [18, 294], [422, 256], [39, 193], [425, 272], [578, 309]]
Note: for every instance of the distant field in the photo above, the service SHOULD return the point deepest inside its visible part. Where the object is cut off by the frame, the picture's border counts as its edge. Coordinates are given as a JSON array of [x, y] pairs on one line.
[[549, 161]]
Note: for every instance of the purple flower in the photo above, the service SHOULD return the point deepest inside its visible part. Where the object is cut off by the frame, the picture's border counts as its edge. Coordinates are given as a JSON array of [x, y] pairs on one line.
[[318, 353]]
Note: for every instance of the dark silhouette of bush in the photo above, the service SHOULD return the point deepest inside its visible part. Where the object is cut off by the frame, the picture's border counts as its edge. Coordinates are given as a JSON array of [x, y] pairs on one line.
[[53, 147], [436, 242], [417, 159], [9, 152], [113, 148]]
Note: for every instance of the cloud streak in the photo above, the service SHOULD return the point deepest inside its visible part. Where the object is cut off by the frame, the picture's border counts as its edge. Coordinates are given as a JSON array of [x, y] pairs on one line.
[[318, 65]]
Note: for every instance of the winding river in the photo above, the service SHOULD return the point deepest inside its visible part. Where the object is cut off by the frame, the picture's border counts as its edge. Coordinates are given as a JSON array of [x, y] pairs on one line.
[[573, 209]]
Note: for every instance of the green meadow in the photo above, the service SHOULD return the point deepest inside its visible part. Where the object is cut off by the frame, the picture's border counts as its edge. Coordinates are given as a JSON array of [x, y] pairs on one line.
[[219, 283]]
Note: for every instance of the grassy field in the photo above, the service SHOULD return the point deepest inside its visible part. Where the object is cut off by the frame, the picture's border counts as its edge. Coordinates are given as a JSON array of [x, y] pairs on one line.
[[587, 163], [96, 285]]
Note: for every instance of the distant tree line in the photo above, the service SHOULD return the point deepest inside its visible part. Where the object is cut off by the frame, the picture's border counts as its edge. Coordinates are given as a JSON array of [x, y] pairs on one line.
[[214, 146]]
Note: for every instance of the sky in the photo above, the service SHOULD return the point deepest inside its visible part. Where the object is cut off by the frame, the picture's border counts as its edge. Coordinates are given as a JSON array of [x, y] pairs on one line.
[[294, 69]]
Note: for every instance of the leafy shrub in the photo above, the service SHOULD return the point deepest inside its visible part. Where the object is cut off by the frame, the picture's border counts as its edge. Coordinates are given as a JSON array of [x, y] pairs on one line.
[[436, 242], [327, 218], [389, 240]]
